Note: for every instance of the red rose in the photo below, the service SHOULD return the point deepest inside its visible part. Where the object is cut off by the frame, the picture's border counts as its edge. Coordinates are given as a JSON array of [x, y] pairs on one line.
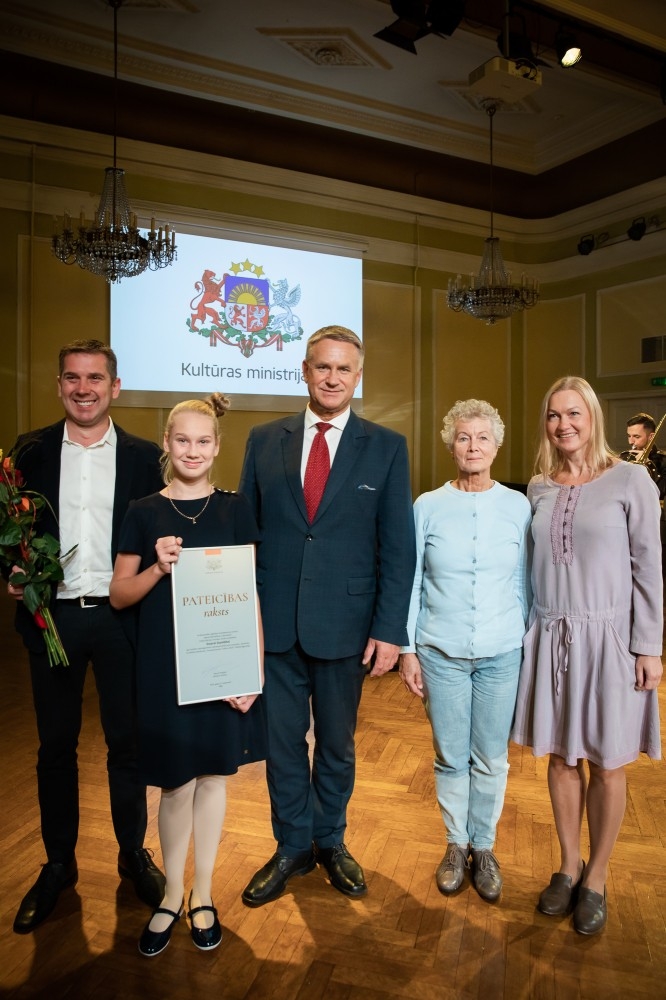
[[40, 620]]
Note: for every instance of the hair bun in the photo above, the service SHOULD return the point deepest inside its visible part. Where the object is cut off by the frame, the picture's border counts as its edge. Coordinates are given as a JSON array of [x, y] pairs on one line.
[[219, 403]]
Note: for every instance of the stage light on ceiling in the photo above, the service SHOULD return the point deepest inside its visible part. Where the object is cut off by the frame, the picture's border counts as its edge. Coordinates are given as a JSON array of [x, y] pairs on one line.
[[636, 230], [417, 18], [403, 34], [567, 48], [444, 16]]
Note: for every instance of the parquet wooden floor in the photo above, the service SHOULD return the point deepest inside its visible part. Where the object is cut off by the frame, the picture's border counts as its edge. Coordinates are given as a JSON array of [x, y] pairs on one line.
[[403, 940]]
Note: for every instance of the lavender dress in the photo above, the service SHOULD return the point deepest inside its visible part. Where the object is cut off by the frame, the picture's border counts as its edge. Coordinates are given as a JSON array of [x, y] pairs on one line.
[[596, 577]]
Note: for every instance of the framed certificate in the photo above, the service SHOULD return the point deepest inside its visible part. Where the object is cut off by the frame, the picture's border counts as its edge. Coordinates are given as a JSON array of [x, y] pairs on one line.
[[215, 621]]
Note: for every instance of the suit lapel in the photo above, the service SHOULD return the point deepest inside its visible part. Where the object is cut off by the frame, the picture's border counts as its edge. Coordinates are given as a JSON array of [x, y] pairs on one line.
[[350, 447], [292, 453]]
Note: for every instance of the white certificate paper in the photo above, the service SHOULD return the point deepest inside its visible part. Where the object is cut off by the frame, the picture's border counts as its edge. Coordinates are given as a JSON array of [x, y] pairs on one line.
[[216, 629]]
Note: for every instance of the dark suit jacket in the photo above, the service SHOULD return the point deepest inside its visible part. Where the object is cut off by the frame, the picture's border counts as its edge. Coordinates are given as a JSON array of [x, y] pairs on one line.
[[37, 456], [349, 575]]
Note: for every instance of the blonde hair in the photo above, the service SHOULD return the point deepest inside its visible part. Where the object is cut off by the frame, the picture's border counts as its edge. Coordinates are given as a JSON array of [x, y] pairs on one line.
[[340, 333], [471, 409], [214, 406], [599, 455]]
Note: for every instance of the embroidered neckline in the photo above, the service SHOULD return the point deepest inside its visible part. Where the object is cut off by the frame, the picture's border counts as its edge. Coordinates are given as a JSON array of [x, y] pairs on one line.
[[561, 524]]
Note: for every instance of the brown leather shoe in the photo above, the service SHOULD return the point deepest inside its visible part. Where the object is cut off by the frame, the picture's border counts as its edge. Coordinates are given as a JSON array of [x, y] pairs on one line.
[[561, 896], [590, 915]]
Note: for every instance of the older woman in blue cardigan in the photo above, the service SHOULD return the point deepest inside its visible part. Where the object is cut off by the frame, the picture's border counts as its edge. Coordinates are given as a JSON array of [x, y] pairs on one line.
[[466, 624]]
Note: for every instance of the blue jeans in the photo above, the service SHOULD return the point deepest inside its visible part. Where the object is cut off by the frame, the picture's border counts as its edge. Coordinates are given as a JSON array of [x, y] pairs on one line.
[[470, 705]]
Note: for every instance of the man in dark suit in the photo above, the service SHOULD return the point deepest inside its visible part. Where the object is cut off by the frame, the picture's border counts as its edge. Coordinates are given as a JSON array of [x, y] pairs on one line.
[[334, 583], [89, 470]]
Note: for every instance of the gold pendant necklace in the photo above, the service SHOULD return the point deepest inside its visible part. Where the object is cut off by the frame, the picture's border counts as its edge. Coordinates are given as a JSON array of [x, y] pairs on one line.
[[187, 516]]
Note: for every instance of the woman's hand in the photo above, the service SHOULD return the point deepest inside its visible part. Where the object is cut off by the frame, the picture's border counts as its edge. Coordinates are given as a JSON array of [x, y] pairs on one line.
[[410, 672], [167, 550], [648, 672], [242, 704]]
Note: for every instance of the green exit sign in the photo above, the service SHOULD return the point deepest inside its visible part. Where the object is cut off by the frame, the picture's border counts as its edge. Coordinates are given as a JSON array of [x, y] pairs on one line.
[[658, 381]]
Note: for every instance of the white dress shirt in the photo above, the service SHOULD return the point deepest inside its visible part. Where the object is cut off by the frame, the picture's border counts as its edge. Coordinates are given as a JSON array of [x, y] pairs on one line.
[[87, 489], [331, 437]]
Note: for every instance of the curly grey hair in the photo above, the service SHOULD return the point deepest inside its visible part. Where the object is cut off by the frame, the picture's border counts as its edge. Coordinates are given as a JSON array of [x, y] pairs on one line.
[[471, 409]]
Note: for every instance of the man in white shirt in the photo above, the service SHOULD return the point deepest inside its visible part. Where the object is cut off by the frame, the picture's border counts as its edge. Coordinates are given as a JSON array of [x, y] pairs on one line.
[[89, 470]]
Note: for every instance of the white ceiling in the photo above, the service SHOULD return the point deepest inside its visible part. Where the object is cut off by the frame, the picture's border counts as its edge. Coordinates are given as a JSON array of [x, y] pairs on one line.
[[318, 61]]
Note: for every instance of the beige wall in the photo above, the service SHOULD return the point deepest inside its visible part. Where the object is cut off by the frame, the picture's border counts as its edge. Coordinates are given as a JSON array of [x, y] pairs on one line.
[[420, 358]]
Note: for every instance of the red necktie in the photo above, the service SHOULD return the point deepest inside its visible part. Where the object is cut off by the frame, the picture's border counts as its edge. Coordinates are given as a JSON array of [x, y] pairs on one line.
[[316, 471]]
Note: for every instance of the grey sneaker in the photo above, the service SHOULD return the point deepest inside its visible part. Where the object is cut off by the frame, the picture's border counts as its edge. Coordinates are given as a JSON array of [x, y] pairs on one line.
[[451, 870], [487, 877]]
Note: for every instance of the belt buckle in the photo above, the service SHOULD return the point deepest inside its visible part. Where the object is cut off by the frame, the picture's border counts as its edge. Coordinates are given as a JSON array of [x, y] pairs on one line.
[[82, 602]]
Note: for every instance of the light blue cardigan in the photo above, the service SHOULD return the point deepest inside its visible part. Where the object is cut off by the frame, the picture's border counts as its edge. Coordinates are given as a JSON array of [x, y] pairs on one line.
[[471, 590]]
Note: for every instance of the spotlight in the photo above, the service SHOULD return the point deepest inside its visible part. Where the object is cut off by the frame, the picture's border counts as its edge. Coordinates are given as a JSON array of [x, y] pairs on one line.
[[444, 16], [636, 230], [586, 246], [410, 26], [567, 48], [403, 33]]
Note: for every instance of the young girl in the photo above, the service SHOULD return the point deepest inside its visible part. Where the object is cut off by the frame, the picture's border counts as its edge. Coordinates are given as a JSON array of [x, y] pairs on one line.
[[187, 750]]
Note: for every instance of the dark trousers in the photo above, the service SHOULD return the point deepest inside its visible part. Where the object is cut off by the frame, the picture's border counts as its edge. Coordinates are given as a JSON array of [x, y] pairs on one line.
[[89, 635], [310, 804]]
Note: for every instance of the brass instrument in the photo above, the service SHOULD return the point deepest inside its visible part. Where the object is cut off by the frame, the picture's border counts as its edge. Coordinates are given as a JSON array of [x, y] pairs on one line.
[[641, 457]]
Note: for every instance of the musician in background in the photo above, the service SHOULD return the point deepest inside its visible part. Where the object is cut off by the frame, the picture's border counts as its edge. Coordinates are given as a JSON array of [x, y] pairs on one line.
[[640, 432]]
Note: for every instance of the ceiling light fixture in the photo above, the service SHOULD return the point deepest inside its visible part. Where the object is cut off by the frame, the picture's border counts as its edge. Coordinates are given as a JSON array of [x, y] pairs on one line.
[[585, 245], [490, 295], [567, 48], [636, 230], [112, 246]]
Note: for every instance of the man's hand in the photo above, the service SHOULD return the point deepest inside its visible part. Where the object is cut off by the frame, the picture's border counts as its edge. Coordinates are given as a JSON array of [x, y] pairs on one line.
[[12, 589], [385, 654]]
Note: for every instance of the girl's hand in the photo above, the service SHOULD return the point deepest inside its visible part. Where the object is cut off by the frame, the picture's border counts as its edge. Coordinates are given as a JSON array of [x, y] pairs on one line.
[[167, 550], [242, 704]]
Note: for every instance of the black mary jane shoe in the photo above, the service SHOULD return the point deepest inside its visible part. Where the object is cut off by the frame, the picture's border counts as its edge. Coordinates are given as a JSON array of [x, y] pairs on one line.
[[205, 938], [151, 943]]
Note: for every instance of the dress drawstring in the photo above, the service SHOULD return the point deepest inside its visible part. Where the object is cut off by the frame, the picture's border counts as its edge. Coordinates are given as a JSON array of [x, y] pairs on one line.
[[561, 654]]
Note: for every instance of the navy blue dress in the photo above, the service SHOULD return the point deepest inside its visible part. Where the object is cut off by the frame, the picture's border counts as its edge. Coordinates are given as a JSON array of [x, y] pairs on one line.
[[181, 742]]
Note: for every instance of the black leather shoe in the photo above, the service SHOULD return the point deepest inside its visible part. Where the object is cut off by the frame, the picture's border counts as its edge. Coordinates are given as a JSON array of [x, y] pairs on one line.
[[149, 882], [205, 938], [151, 943], [270, 881], [39, 901], [345, 873], [590, 915]]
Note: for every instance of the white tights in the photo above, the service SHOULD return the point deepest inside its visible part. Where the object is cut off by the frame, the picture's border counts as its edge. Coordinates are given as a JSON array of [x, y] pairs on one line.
[[197, 809]]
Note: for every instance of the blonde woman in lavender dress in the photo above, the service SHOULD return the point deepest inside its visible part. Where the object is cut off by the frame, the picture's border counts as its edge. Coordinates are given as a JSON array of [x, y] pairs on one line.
[[592, 663]]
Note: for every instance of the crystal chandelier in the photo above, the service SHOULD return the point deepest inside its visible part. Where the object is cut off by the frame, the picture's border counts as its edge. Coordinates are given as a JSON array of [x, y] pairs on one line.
[[490, 295], [113, 246]]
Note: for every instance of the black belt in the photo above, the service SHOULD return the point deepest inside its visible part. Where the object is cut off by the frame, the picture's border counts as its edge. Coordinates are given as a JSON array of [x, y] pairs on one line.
[[84, 602]]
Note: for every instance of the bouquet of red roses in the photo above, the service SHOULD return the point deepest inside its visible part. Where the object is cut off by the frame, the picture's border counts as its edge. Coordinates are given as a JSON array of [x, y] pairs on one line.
[[32, 560]]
